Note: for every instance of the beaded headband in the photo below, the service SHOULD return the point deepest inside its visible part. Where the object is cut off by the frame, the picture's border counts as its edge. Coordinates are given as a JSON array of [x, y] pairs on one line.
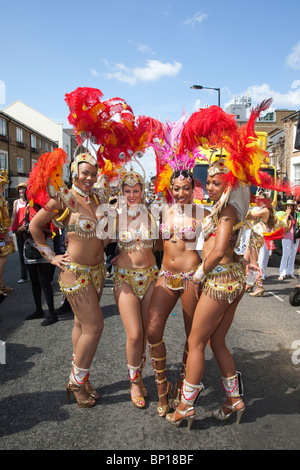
[[82, 158], [218, 166]]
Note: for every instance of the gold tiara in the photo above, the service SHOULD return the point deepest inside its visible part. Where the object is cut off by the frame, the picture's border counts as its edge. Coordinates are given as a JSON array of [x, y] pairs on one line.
[[131, 178], [218, 166], [82, 158]]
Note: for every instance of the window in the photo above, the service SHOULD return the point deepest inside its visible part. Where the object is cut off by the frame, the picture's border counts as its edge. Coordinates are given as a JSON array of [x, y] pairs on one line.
[[20, 165], [19, 134], [46, 146], [297, 173], [3, 160], [2, 126], [41, 144], [33, 141]]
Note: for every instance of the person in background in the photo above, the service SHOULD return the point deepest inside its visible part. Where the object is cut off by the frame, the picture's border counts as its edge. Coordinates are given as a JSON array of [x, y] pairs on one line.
[[7, 246], [262, 220], [289, 243], [40, 270], [19, 228]]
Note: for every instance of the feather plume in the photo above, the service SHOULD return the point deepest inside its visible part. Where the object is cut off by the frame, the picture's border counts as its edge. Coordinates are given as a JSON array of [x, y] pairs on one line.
[[49, 165]]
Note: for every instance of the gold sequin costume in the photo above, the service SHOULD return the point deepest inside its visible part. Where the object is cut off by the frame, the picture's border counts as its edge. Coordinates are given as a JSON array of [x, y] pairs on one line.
[[225, 282], [138, 279], [86, 274], [177, 281]]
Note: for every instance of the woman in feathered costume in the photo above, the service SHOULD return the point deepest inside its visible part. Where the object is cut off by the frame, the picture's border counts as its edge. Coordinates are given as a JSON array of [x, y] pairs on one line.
[[135, 270], [7, 246], [82, 267], [180, 261], [221, 274]]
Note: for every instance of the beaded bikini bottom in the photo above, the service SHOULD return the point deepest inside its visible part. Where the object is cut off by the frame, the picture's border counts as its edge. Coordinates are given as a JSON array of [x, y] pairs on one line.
[[138, 279], [86, 274], [225, 282], [177, 281]]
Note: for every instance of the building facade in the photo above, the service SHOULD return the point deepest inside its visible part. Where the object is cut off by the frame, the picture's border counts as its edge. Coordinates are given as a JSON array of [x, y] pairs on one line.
[[20, 147]]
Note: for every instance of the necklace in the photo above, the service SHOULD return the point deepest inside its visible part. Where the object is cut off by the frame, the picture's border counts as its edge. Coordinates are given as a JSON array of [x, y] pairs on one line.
[[183, 211], [79, 191], [133, 214]]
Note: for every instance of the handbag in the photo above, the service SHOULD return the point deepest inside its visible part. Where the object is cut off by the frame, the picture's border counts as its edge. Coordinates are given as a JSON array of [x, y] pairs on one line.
[[30, 251], [297, 233]]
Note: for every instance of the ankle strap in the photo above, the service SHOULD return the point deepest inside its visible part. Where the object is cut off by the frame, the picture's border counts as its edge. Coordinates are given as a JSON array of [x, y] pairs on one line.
[[233, 385]]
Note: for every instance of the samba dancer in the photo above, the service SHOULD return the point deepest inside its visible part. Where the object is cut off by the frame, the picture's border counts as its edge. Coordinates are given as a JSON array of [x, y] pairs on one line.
[[82, 267], [180, 261], [220, 275]]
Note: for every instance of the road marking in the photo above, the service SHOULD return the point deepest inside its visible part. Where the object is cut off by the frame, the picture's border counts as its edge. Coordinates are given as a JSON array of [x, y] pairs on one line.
[[281, 300]]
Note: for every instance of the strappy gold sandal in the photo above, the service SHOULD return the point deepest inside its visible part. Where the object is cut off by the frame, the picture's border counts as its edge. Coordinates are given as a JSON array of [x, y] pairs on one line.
[[135, 378], [72, 389], [189, 396], [161, 409], [233, 387]]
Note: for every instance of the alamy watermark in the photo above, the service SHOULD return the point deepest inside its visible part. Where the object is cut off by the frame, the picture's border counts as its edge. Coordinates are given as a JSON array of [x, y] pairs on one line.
[[113, 222], [2, 352], [296, 354]]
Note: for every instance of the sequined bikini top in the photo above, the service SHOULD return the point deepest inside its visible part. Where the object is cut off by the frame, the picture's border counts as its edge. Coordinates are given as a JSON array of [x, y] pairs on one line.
[[83, 226], [131, 240], [182, 232]]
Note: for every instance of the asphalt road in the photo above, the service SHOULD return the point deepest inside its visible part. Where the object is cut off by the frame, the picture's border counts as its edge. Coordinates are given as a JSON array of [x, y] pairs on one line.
[[265, 341]]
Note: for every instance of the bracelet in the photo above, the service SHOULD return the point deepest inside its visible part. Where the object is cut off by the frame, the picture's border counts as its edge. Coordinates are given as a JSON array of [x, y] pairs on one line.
[[199, 275], [45, 251]]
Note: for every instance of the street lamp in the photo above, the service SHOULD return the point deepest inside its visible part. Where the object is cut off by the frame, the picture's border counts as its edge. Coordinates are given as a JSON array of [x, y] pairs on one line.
[[200, 87]]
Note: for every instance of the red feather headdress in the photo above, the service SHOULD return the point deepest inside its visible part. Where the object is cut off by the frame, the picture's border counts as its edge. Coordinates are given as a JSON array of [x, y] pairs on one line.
[[50, 165]]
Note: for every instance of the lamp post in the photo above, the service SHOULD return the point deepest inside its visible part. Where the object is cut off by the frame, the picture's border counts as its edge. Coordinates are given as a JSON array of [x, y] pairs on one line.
[[200, 87]]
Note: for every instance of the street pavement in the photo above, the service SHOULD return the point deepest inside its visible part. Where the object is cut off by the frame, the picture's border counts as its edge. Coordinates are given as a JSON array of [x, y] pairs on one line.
[[265, 342]]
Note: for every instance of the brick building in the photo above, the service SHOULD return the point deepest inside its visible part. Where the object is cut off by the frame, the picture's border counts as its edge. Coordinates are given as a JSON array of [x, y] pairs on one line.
[[20, 148]]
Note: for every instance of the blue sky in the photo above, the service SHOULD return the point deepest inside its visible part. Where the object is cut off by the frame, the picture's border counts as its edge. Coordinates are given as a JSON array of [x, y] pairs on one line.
[[150, 53]]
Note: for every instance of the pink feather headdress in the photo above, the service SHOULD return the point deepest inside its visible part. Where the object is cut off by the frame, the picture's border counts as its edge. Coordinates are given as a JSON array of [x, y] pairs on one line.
[[169, 159]]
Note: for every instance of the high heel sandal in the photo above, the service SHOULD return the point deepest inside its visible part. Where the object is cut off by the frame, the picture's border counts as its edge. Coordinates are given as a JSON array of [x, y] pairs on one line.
[[233, 387], [177, 423], [73, 388], [221, 416], [6, 289], [164, 409], [88, 386], [135, 378], [189, 397], [161, 409], [259, 292], [249, 288], [91, 391]]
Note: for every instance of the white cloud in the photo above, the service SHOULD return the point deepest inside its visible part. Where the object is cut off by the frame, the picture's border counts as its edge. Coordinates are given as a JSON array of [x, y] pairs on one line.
[[144, 48], [152, 71], [293, 59], [197, 18], [94, 73], [258, 93]]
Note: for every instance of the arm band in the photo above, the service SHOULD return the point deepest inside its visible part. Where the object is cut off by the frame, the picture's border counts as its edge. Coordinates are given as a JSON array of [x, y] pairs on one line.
[[199, 275], [45, 251]]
